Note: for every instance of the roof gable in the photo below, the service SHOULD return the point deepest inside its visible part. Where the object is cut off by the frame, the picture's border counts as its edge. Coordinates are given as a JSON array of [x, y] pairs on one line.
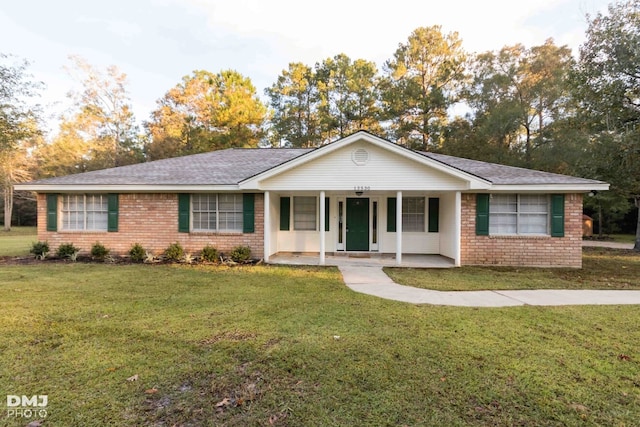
[[412, 161]]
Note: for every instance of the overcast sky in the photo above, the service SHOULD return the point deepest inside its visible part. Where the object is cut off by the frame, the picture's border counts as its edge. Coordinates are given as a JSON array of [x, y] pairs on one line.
[[157, 42]]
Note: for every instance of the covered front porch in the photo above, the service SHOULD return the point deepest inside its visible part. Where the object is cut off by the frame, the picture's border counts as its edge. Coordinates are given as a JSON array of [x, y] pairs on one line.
[[362, 260], [401, 228]]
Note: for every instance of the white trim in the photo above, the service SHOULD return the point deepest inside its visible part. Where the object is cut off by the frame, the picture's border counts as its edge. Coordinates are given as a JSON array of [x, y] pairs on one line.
[[124, 188], [457, 234], [473, 182], [321, 228], [399, 228], [266, 239], [548, 188]]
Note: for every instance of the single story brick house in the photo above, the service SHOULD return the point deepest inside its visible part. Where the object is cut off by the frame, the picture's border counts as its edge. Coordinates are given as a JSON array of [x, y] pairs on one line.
[[358, 194]]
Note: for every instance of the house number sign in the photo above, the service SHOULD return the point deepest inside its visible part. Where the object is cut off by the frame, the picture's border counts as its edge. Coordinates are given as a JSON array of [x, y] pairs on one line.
[[361, 188]]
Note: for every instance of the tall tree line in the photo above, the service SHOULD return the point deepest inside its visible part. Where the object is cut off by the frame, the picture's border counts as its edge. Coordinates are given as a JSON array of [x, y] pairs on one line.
[[535, 106]]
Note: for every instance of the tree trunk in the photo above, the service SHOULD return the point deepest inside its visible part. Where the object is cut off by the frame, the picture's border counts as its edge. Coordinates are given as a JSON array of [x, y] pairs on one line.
[[636, 247], [8, 207]]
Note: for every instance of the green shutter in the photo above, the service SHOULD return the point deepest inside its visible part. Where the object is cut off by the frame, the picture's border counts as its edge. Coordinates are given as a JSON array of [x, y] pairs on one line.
[[434, 214], [248, 213], [285, 213], [557, 215], [52, 212], [391, 214], [184, 208], [326, 214], [482, 214], [112, 215]]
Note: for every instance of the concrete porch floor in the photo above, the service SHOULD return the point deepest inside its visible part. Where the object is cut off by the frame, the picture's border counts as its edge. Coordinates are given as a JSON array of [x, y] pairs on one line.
[[363, 260]]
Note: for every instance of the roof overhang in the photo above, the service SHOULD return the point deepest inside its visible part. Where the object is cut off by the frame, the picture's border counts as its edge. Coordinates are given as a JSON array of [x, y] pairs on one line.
[[474, 182], [123, 188], [549, 188]]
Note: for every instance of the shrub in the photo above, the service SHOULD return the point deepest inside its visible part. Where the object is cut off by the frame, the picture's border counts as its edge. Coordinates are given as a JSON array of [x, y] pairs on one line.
[[209, 253], [137, 252], [67, 250], [240, 253], [174, 252], [98, 251], [40, 249]]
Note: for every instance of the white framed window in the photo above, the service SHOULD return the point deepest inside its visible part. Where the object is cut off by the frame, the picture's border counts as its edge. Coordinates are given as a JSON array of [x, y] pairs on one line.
[[413, 217], [85, 212], [519, 214], [305, 213], [217, 212]]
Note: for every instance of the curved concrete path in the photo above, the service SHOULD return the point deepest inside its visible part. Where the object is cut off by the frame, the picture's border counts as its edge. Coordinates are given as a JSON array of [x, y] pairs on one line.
[[373, 281]]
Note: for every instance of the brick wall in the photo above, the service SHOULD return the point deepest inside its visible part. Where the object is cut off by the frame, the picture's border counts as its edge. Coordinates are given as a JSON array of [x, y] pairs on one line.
[[521, 250], [152, 221]]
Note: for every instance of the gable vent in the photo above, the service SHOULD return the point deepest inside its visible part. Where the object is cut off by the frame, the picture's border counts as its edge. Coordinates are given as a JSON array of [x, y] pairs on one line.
[[360, 157]]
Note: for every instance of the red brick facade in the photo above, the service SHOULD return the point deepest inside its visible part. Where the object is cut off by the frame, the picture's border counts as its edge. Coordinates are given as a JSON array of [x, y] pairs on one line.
[[522, 250], [152, 221]]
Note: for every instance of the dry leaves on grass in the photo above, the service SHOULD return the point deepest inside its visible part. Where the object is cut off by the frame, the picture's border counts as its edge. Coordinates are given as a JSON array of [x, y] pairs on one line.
[[133, 378]]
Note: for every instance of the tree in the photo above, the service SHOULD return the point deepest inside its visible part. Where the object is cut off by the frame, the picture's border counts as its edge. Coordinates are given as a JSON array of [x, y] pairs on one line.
[[294, 101], [608, 75], [102, 115], [517, 93], [206, 112], [423, 80], [18, 122], [348, 97]]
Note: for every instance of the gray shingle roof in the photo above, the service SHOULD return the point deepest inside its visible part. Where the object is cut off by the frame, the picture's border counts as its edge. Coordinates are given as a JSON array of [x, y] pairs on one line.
[[231, 166], [506, 175], [224, 167]]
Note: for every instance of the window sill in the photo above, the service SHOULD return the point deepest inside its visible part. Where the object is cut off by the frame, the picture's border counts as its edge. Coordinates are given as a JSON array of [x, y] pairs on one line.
[[215, 233], [520, 236], [80, 231]]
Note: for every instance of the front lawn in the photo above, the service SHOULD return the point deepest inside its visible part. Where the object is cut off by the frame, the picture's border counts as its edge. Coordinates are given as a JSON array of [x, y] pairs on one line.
[[288, 346], [17, 242], [602, 268]]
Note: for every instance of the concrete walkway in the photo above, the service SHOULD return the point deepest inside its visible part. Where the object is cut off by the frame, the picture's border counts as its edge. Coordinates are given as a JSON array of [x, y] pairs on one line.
[[372, 280], [605, 244]]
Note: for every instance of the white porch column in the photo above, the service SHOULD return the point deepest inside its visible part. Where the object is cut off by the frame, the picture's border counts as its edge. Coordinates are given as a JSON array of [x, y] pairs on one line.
[[267, 226], [399, 228], [321, 227], [457, 233]]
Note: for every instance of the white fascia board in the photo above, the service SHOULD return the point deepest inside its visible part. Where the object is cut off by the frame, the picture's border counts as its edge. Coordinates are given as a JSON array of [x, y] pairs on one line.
[[549, 188], [120, 188], [474, 181]]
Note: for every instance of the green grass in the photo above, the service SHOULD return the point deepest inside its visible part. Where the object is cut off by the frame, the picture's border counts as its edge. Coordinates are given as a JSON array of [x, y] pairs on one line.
[[265, 338], [17, 242], [602, 269], [623, 238]]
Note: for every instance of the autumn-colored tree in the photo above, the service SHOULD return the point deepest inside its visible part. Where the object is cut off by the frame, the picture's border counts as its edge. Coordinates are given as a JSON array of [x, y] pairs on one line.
[[423, 80], [206, 112], [18, 123]]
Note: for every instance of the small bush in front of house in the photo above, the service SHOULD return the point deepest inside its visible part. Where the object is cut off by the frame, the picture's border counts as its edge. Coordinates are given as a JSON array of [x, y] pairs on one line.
[[99, 251], [40, 249], [240, 254], [67, 250], [137, 253], [175, 252], [209, 253]]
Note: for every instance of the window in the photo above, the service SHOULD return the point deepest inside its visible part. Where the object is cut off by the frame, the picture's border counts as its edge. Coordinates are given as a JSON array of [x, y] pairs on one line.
[[519, 214], [413, 214], [85, 212], [304, 213], [217, 212]]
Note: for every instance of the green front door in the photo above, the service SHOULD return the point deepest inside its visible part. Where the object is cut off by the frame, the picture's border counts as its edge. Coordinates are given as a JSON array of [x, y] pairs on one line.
[[357, 224]]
